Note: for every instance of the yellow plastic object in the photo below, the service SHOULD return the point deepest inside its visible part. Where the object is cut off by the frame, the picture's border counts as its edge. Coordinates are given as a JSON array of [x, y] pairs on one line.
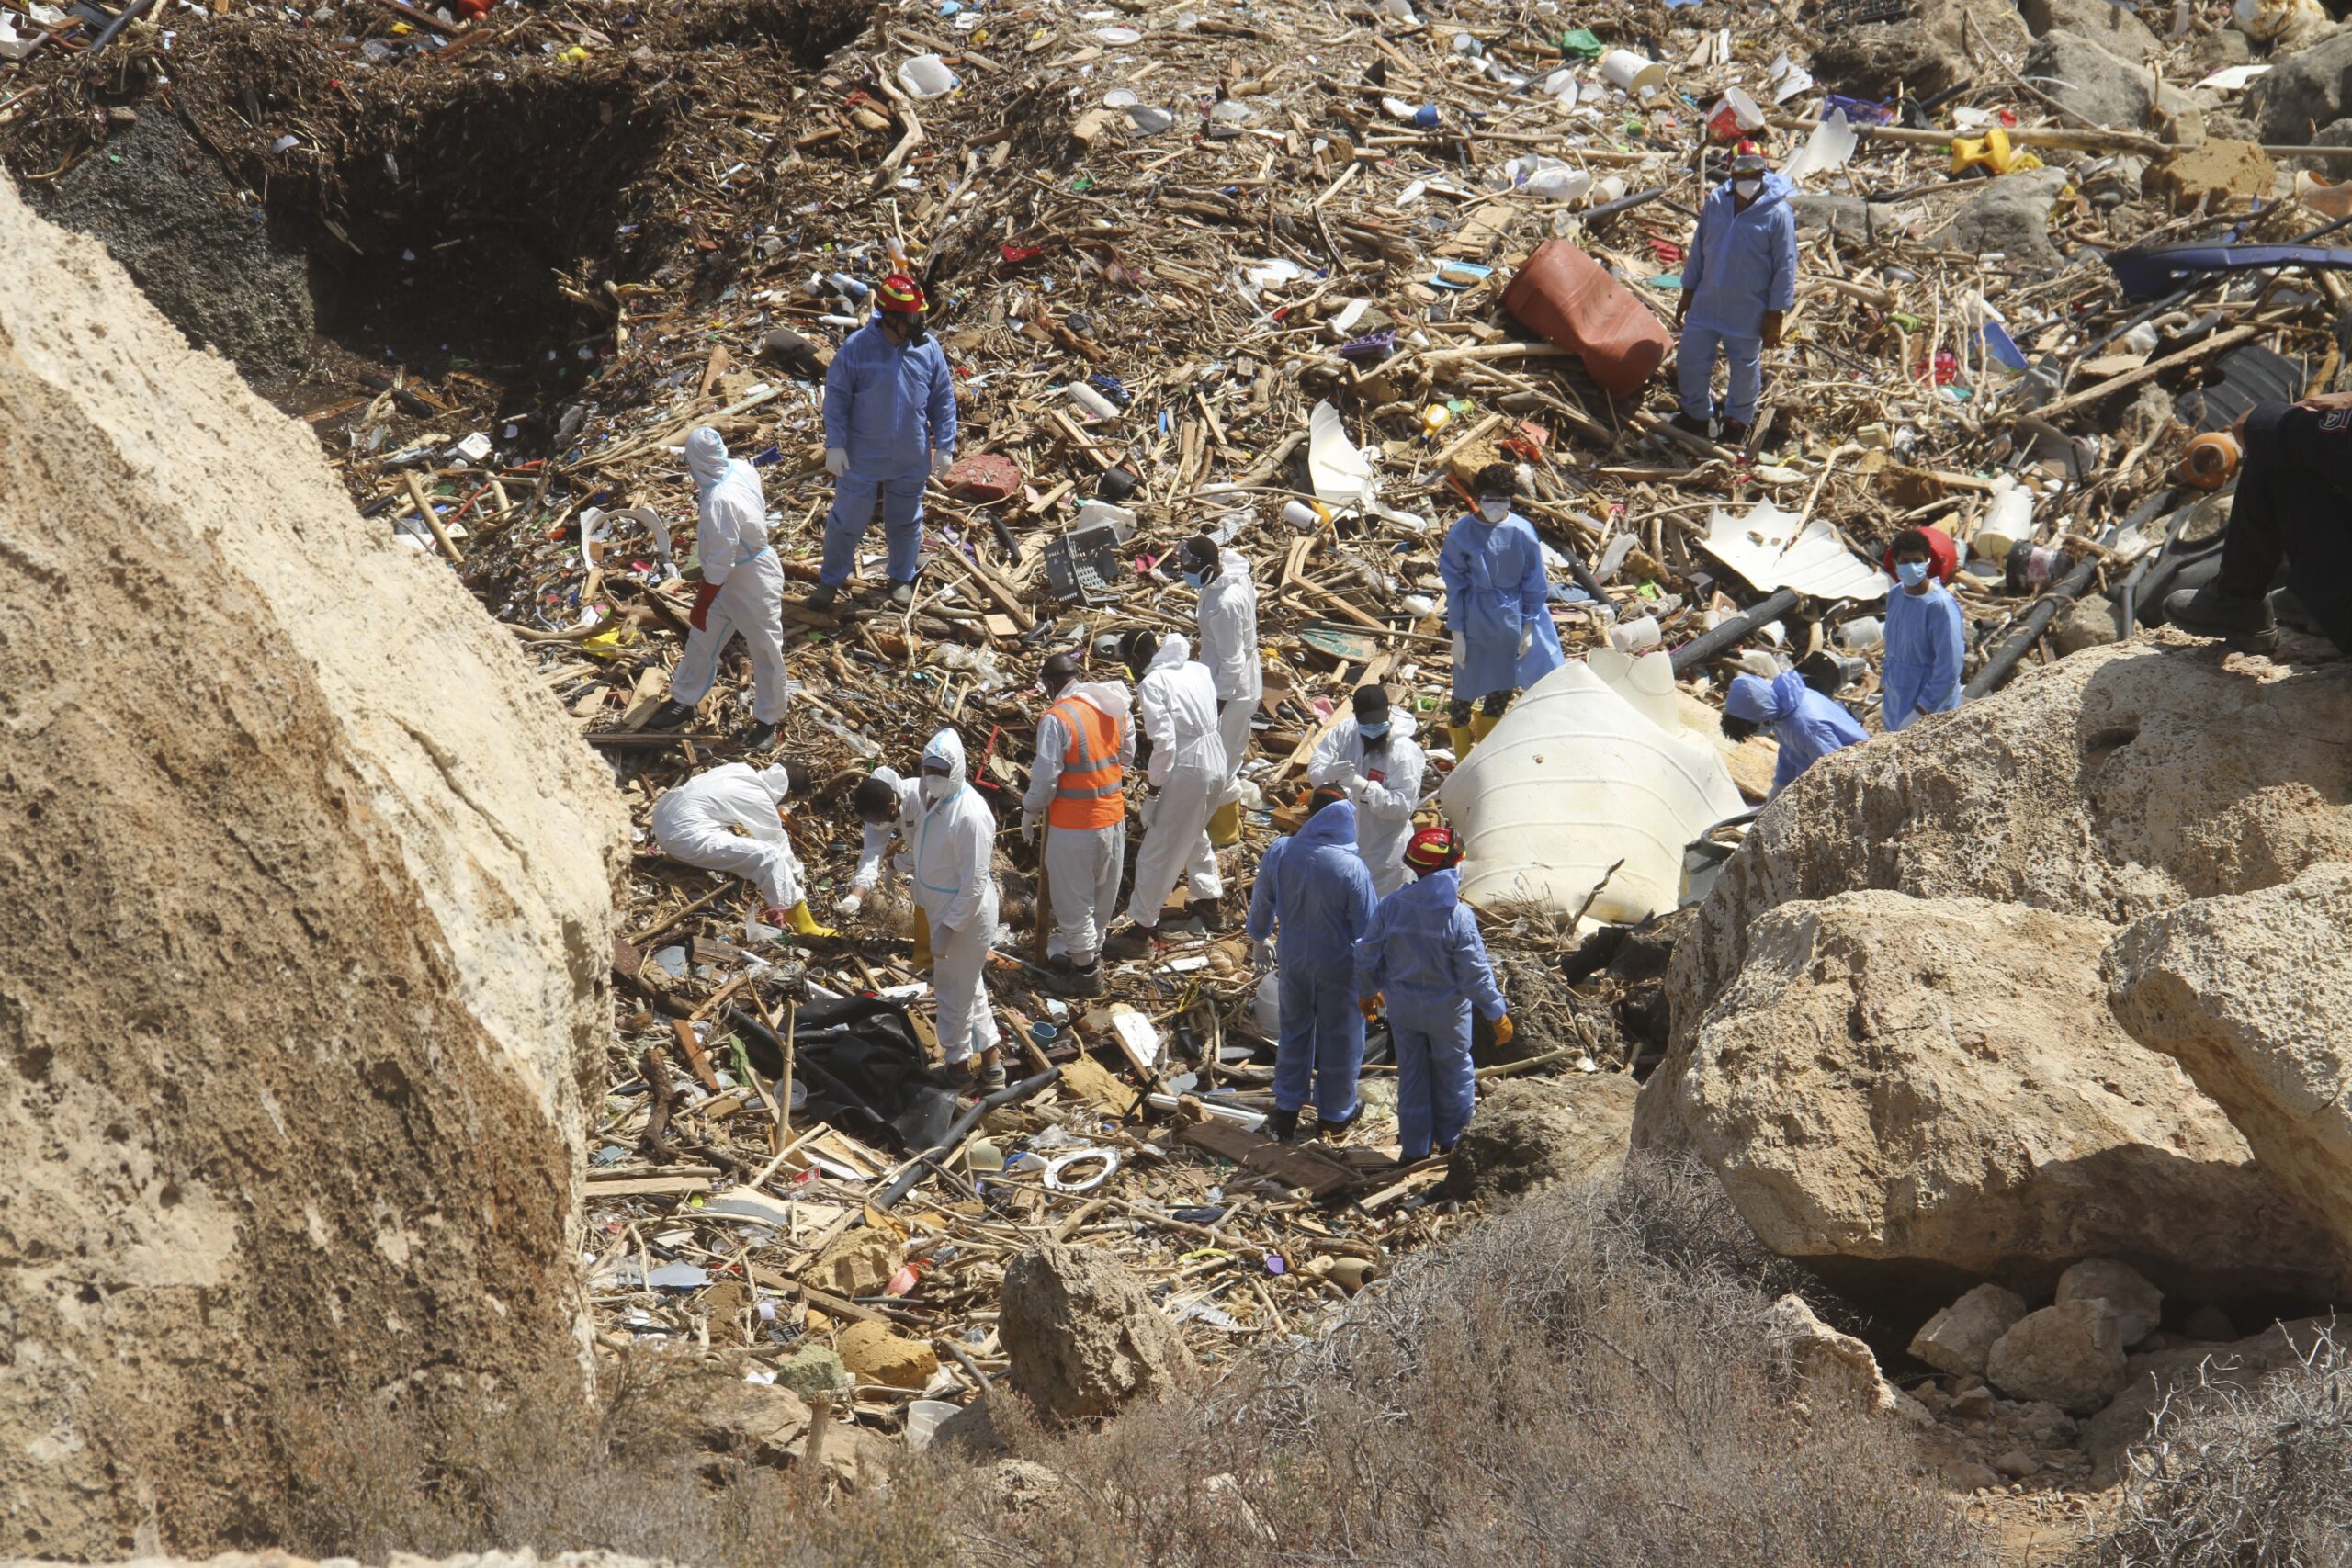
[[1993, 151], [1225, 825], [1434, 418]]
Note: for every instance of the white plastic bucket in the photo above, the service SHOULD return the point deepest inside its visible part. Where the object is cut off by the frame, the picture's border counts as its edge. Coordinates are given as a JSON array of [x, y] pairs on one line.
[[1630, 73]]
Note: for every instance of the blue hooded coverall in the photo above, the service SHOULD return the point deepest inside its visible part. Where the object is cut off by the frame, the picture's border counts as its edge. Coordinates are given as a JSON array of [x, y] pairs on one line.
[[1923, 651], [1314, 888], [890, 408], [1807, 724], [1741, 265], [1496, 585], [1425, 953]]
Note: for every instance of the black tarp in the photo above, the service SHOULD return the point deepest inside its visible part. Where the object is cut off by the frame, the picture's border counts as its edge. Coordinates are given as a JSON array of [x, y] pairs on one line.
[[864, 1070]]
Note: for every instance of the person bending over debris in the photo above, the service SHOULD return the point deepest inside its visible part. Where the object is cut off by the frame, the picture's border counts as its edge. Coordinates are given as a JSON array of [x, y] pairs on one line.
[[1807, 724], [1924, 638], [1078, 791], [1315, 898], [1423, 957], [2293, 509], [889, 807], [1738, 284], [1372, 757], [697, 823], [956, 886], [1498, 604], [743, 590], [1229, 649], [889, 425], [1186, 766]]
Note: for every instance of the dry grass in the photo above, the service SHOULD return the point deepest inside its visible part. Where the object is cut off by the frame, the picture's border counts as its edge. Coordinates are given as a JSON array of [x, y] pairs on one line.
[[2252, 1473], [1586, 1381]]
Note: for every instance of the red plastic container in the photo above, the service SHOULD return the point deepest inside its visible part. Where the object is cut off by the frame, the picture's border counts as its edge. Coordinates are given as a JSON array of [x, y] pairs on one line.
[[1571, 300]]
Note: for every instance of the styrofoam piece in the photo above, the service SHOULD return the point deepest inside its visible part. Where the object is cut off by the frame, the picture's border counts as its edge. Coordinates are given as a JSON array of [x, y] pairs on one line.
[[1826, 150], [1341, 474], [926, 76], [1764, 546], [1572, 780]]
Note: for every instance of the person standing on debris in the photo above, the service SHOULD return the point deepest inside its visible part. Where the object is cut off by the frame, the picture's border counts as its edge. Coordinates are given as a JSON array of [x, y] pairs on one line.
[[1229, 649], [1807, 724], [1186, 766], [889, 425], [741, 592], [1314, 898], [956, 886], [1739, 282], [1498, 604], [1373, 757], [732, 819], [1423, 957], [2293, 509], [1078, 795], [1924, 638]]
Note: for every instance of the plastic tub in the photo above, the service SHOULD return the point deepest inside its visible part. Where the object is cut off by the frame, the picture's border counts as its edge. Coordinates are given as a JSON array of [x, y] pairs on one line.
[[924, 1417]]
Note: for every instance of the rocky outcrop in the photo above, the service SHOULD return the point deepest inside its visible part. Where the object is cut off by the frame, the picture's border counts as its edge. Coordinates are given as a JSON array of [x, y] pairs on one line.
[[2115, 784], [2137, 1304], [310, 898], [1533, 1133], [1895, 1083], [2010, 220], [2303, 91], [1835, 1368], [2253, 995], [1083, 1334], [2095, 83]]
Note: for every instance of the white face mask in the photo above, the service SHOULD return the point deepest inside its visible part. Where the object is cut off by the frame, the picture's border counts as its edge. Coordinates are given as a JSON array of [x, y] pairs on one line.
[[937, 788], [1747, 190], [1494, 510]]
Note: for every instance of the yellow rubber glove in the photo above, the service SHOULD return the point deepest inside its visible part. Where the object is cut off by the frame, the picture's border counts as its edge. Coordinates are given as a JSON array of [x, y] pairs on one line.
[[1503, 1030]]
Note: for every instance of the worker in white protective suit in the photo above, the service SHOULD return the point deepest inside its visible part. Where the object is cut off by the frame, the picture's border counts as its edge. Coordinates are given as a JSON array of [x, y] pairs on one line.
[[732, 819], [1229, 649], [741, 592], [1078, 799], [1186, 767], [1373, 756], [888, 809], [956, 886]]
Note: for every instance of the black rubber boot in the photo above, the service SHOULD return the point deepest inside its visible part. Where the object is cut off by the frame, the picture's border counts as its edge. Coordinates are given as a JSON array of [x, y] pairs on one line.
[[1702, 429], [821, 597], [1735, 432], [2245, 623], [669, 716], [758, 738], [902, 594], [1335, 1129], [1281, 1125]]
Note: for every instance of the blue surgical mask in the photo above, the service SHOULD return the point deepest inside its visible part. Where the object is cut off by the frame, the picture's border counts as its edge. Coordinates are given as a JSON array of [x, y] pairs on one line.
[[1194, 580], [1912, 572], [1372, 731]]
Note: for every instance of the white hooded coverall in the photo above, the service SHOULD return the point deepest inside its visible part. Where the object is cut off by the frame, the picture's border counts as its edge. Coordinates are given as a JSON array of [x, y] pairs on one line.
[[1179, 702], [732, 540], [695, 823], [1229, 649], [876, 842], [1390, 789], [956, 886], [1082, 864]]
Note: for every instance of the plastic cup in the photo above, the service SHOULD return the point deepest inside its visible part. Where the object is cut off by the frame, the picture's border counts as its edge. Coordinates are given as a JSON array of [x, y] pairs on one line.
[[1630, 73]]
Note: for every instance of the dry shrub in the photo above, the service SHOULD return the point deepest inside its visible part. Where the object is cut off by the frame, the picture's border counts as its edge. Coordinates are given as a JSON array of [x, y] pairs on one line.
[[2244, 1473], [1587, 1380]]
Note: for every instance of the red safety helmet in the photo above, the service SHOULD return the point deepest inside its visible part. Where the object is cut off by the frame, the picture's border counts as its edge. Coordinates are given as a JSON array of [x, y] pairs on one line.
[[899, 295], [1943, 555], [1433, 849]]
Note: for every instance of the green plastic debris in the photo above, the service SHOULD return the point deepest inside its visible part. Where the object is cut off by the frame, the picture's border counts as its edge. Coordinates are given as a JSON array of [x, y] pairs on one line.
[[1580, 42]]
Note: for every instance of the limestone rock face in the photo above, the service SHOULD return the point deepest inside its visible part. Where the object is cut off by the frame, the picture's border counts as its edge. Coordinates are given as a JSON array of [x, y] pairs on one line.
[[2117, 783], [1083, 1334], [309, 888], [2253, 995], [1904, 1083]]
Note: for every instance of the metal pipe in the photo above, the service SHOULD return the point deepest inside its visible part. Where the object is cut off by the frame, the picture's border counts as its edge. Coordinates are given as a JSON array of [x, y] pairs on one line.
[[1706, 645], [2029, 629]]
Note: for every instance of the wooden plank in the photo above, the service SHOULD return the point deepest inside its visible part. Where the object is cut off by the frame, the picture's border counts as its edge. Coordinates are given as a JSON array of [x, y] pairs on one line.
[[1318, 1173], [650, 1187]]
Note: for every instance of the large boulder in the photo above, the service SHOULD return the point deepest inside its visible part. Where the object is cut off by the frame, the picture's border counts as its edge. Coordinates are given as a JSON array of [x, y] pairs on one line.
[[2099, 85], [310, 893], [1899, 1087], [1958, 1338], [2253, 995], [2118, 32], [2011, 218], [2114, 783], [2303, 90], [2070, 1354], [1083, 1334], [1530, 1135]]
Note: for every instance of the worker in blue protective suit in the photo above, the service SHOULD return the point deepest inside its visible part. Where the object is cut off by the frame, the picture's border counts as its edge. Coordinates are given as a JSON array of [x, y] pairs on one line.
[[890, 426], [1424, 960], [1739, 283], [1498, 599], [1807, 724], [1312, 888], [1924, 638]]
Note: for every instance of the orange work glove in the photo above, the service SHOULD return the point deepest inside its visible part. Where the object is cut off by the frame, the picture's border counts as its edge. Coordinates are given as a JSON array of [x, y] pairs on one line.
[[1503, 1030]]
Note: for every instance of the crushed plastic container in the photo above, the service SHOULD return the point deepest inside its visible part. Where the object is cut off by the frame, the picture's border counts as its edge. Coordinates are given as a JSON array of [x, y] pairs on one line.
[[926, 76], [1567, 297]]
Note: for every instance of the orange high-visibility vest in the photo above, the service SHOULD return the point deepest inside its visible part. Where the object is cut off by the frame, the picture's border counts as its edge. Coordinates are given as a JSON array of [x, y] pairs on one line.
[[1090, 793]]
